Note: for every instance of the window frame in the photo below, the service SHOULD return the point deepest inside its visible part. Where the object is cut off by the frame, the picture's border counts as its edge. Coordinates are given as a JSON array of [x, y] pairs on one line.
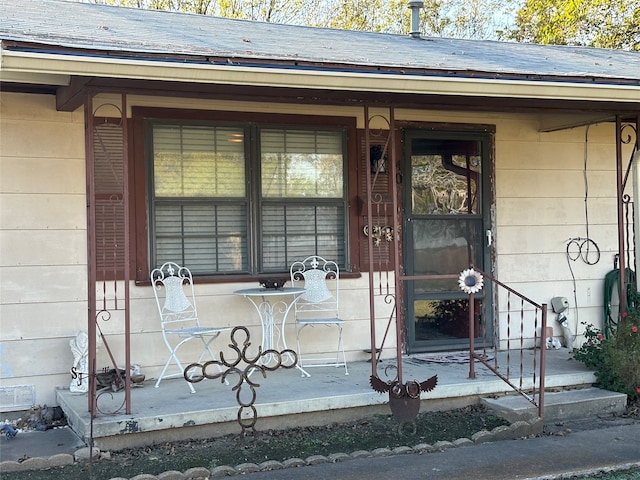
[[253, 121], [261, 200], [184, 202]]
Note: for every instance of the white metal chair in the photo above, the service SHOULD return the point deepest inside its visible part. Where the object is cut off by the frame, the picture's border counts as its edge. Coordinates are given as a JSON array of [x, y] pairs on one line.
[[175, 297], [318, 306]]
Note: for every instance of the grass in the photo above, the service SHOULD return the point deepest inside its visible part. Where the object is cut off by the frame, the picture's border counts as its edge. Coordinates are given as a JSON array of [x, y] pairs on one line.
[[630, 474]]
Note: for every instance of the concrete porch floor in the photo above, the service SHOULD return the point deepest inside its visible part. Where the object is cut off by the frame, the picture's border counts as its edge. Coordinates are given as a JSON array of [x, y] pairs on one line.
[[285, 399]]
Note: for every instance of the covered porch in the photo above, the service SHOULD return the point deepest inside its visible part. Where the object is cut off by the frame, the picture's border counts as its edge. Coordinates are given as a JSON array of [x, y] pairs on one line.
[[284, 399]]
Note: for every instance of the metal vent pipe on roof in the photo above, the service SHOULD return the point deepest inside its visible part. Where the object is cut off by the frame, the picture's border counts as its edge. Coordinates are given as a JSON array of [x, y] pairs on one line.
[[415, 6]]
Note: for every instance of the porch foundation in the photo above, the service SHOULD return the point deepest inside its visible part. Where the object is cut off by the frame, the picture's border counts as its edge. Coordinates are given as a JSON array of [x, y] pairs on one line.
[[285, 399]]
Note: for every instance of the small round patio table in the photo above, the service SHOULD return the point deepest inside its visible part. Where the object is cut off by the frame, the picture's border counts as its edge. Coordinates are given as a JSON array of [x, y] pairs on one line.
[[273, 306]]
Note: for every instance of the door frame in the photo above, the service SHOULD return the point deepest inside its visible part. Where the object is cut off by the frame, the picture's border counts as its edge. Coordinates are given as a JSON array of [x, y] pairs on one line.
[[485, 134]]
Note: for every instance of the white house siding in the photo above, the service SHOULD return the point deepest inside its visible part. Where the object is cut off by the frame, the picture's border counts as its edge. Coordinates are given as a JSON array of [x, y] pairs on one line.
[[539, 205], [43, 245]]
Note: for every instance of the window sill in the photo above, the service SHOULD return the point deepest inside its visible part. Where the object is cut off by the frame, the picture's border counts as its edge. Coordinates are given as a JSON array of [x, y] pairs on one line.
[[213, 279]]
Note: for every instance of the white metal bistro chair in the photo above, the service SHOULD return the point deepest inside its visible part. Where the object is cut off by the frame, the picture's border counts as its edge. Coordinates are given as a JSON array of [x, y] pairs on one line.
[[318, 306], [175, 296]]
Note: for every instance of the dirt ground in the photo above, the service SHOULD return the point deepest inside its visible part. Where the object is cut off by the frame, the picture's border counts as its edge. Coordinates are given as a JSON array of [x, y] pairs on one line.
[[367, 434]]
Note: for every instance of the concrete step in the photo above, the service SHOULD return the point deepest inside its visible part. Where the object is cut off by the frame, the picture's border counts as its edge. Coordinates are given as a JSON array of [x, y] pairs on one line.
[[558, 406]]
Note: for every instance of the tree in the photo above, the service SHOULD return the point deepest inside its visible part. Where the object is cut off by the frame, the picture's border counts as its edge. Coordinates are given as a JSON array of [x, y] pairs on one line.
[[596, 23], [363, 15], [472, 19], [276, 11], [479, 19]]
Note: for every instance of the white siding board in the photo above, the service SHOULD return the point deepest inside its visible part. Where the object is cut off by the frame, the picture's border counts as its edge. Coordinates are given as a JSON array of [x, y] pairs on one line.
[[42, 212], [534, 212], [554, 239], [59, 284], [549, 267], [516, 154], [554, 156], [54, 357], [35, 175], [524, 240], [603, 155], [52, 140], [599, 132], [43, 247], [44, 386], [40, 108], [28, 320], [563, 183], [517, 127]]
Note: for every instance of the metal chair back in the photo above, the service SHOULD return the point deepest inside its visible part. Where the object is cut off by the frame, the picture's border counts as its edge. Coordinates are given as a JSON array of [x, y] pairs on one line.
[[175, 296], [176, 301], [318, 305]]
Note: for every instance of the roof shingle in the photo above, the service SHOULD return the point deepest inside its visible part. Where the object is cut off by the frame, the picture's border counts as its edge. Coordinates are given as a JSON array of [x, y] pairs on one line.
[[148, 33]]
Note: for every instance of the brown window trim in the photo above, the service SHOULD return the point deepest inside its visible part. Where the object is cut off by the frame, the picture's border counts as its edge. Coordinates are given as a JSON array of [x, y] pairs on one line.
[[240, 278], [140, 253]]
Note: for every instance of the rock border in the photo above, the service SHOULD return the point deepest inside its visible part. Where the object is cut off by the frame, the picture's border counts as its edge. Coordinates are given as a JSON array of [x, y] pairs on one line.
[[37, 463], [516, 430]]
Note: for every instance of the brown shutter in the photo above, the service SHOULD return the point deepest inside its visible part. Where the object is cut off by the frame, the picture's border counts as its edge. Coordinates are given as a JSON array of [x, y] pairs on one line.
[[109, 201], [382, 207]]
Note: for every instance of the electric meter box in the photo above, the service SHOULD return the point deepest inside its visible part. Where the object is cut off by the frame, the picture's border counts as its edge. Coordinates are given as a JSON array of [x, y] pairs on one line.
[[559, 304]]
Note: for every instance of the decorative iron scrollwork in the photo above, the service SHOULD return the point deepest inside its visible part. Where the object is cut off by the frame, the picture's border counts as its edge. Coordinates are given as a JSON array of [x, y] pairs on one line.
[[197, 372]]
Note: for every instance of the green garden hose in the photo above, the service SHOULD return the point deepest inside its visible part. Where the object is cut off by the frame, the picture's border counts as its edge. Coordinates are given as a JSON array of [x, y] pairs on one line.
[[611, 281]]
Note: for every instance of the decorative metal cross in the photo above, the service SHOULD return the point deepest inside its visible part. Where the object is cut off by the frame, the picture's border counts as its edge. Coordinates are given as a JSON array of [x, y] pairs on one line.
[[192, 375]]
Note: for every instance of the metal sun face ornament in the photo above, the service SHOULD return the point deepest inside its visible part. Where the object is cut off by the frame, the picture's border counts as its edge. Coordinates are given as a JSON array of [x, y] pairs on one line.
[[470, 281]]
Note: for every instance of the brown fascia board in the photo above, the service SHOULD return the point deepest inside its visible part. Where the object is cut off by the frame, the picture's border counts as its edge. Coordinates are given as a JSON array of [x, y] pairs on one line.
[[284, 63], [71, 97]]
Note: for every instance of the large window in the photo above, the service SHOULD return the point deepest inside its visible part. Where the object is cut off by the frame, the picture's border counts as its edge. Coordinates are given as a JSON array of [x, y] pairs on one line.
[[245, 198]]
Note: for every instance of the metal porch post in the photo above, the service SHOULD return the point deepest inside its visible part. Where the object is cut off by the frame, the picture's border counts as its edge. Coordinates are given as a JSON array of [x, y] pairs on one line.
[[620, 207], [91, 248]]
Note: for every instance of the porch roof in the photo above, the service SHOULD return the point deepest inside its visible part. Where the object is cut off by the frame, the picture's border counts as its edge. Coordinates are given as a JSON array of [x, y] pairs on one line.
[[101, 29], [48, 42]]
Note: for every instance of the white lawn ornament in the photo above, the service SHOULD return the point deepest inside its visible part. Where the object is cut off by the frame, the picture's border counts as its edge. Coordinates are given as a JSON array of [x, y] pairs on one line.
[[80, 368]]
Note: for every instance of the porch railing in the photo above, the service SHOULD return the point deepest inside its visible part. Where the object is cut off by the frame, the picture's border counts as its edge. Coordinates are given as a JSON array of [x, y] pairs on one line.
[[521, 363]]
